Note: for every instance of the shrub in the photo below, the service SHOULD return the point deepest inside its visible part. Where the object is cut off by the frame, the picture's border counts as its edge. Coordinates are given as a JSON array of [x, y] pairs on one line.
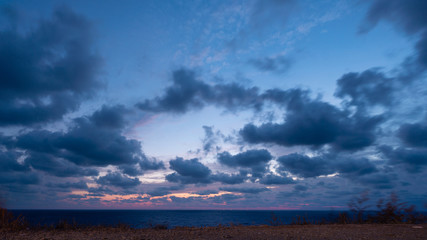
[[358, 206], [344, 218], [275, 220], [395, 211], [10, 222]]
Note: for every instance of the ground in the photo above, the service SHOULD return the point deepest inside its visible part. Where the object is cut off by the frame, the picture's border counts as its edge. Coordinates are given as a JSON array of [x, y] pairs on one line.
[[350, 231]]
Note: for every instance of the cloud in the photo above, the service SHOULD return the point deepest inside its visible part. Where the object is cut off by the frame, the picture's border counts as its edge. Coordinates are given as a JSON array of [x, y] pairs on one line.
[[194, 172], [379, 180], [245, 159], [229, 178], [191, 168], [110, 117], [309, 167], [313, 123], [304, 166], [13, 172], [366, 89], [188, 93], [279, 64], [57, 166], [271, 179], [309, 122], [244, 190], [211, 138], [256, 160], [7, 179], [414, 135], [206, 192], [9, 162], [300, 188], [162, 191], [119, 180], [414, 160], [92, 141], [47, 71], [408, 16], [188, 171], [66, 186]]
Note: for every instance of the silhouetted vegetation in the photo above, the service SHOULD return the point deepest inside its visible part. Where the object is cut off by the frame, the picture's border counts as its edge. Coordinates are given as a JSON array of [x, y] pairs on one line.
[[358, 206], [388, 211], [275, 220], [391, 211], [9, 221]]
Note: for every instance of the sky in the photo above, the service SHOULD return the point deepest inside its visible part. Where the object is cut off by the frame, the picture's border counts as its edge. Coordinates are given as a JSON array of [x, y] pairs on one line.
[[261, 104]]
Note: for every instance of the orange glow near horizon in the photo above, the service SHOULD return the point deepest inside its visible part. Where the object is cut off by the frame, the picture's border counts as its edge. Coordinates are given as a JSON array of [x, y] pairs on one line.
[[113, 197], [145, 201]]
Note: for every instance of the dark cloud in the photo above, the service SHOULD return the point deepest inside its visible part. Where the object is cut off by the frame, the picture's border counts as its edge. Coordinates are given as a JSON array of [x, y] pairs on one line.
[[414, 160], [162, 191], [76, 196], [110, 117], [245, 159], [414, 135], [256, 160], [226, 198], [271, 179], [300, 188], [7, 179], [211, 138], [48, 71], [309, 122], [206, 192], [191, 168], [295, 194], [353, 168], [92, 141], [244, 190], [313, 123], [366, 89], [66, 186], [100, 191], [379, 180], [118, 180], [9, 162], [14, 172], [307, 167], [279, 64], [57, 166], [188, 93], [408, 16], [228, 178], [188, 171], [194, 172], [90, 145]]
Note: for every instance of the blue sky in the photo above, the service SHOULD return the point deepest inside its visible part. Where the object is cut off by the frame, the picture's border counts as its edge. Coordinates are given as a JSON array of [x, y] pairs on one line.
[[279, 104]]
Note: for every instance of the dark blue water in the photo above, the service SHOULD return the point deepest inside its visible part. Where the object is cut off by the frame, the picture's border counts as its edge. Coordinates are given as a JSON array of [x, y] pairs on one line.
[[171, 218]]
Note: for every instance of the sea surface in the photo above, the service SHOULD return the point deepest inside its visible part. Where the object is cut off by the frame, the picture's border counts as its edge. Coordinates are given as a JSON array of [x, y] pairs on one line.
[[172, 218]]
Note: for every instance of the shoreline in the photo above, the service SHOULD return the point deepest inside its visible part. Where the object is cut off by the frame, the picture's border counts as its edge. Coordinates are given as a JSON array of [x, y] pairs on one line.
[[327, 231]]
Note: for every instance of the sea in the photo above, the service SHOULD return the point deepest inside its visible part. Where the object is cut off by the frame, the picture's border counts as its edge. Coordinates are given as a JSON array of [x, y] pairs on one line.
[[172, 218]]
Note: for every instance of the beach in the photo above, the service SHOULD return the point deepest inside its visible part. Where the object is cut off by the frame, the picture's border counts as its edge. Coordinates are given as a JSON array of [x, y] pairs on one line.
[[329, 231]]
